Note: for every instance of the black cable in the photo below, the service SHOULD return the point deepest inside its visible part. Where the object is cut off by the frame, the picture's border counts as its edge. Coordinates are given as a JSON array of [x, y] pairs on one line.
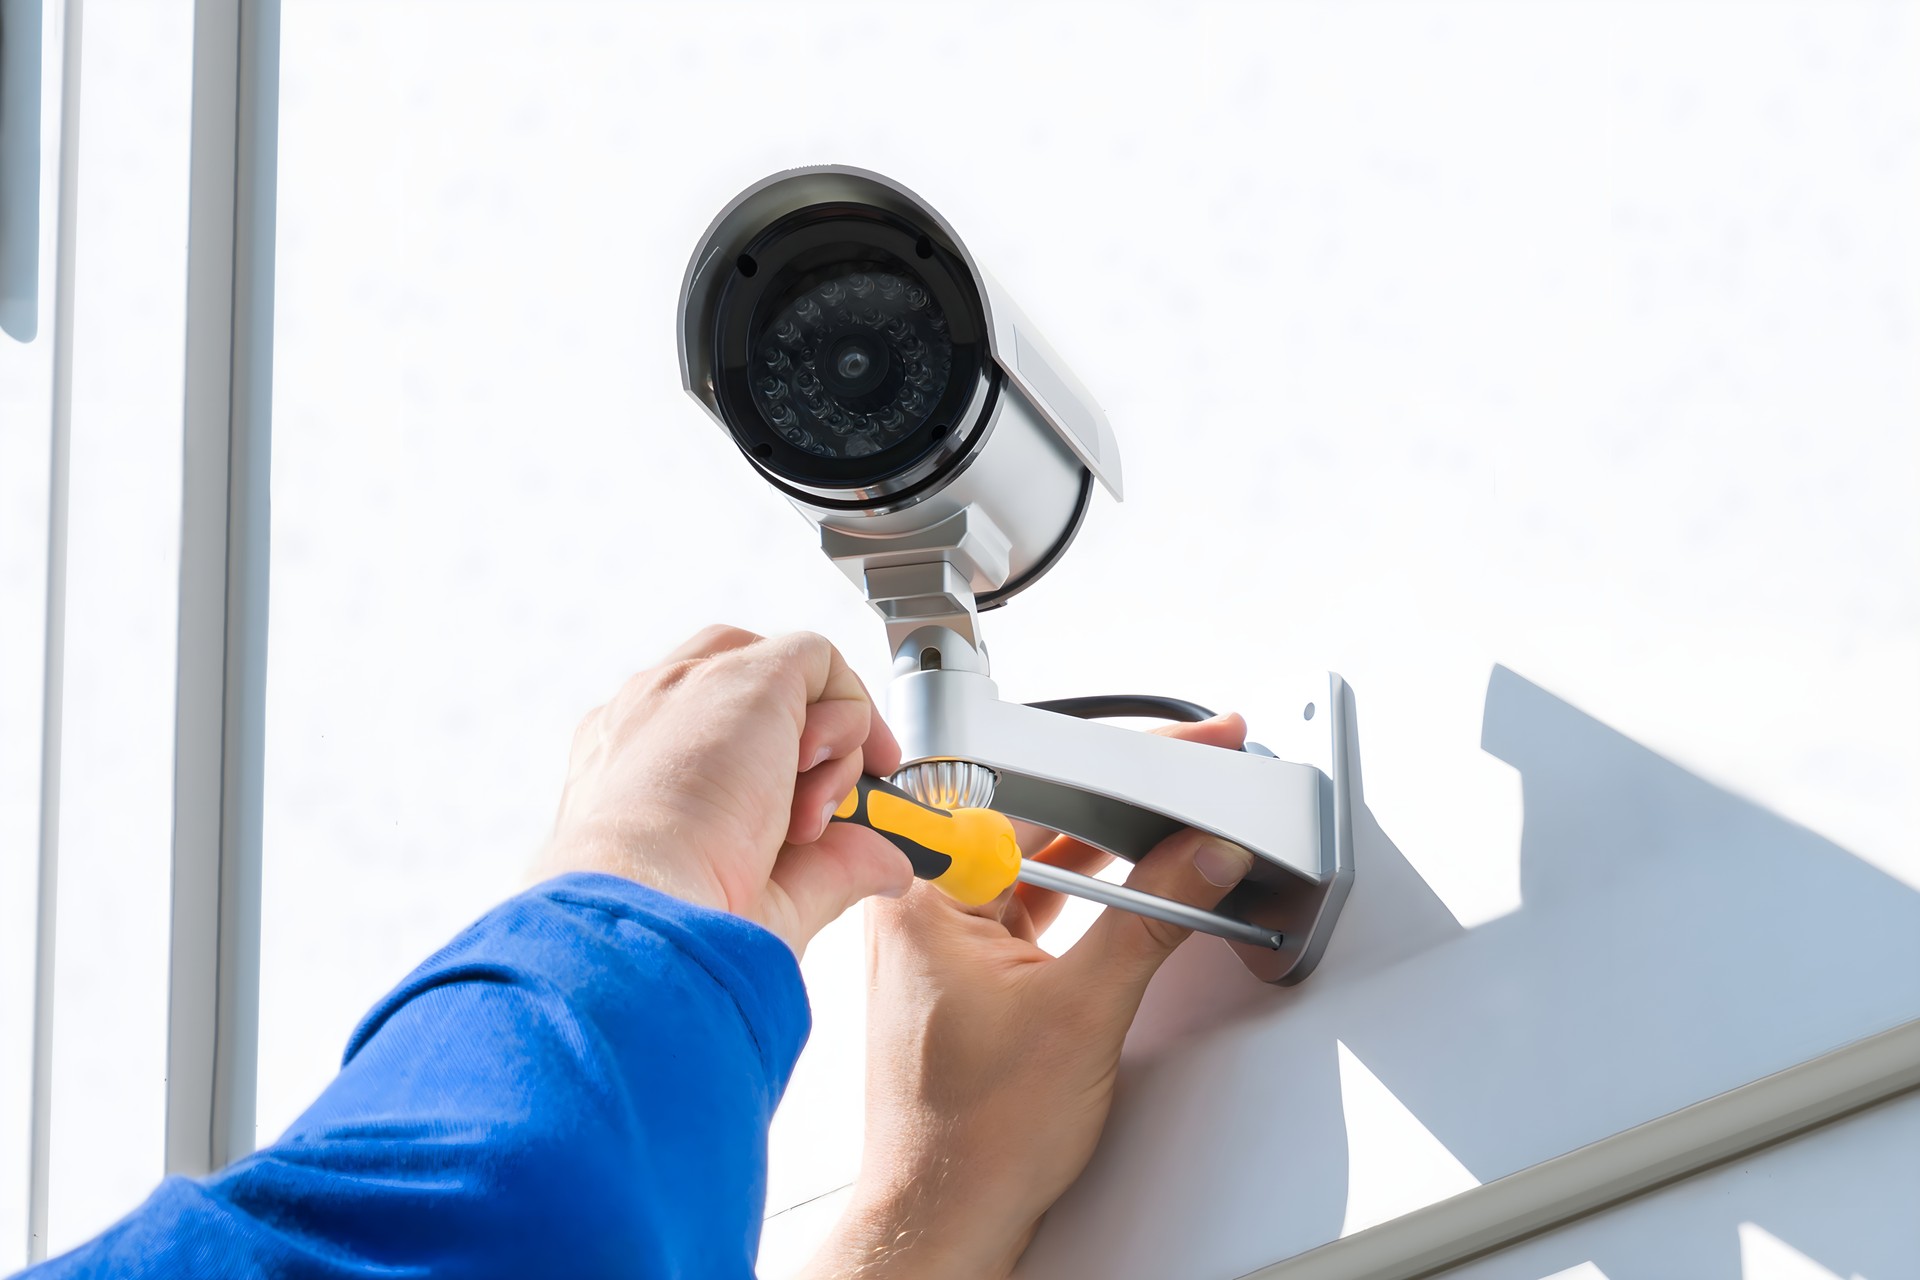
[[994, 599], [1127, 704]]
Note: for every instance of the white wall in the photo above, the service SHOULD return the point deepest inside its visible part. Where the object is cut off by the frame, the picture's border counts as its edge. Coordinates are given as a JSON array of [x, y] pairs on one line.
[[1574, 339], [1834, 1204]]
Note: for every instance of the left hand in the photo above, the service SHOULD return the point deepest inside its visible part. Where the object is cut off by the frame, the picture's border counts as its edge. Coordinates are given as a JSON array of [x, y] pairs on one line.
[[991, 1064]]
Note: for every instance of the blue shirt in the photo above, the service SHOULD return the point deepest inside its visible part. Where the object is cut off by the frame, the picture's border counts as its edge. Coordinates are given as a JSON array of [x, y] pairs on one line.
[[578, 1085]]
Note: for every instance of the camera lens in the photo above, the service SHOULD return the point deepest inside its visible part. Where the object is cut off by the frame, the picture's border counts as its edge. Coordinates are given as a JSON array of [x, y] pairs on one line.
[[853, 361], [856, 364]]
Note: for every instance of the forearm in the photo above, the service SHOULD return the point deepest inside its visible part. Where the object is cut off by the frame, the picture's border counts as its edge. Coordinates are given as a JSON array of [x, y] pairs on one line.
[[580, 1084]]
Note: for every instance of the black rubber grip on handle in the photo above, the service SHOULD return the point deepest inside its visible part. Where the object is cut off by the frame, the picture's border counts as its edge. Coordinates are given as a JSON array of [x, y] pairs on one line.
[[928, 864]]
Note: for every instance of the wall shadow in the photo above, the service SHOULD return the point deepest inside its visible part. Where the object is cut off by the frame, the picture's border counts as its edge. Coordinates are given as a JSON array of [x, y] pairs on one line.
[[1674, 941]]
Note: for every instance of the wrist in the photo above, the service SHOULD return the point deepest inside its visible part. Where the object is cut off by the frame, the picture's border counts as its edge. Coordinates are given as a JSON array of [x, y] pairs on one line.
[[913, 1231], [634, 855]]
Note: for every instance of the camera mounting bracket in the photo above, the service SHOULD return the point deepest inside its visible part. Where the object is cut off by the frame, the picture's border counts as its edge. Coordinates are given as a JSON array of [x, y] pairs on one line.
[[1124, 791], [974, 503], [927, 576]]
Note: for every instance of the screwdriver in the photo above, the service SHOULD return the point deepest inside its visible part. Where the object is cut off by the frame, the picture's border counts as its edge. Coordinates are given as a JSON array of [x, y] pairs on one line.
[[972, 855]]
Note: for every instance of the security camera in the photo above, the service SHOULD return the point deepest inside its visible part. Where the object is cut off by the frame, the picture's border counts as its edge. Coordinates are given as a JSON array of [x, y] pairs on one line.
[[838, 329]]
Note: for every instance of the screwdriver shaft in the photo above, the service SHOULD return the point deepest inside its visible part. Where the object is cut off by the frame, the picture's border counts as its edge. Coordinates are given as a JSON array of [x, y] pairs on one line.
[[1045, 875]]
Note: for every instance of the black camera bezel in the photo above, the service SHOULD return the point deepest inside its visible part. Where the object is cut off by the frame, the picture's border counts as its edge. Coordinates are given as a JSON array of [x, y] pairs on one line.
[[776, 264]]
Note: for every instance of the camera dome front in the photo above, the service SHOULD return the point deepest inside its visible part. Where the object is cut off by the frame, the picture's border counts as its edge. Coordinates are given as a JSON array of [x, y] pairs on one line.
[[850, 354]]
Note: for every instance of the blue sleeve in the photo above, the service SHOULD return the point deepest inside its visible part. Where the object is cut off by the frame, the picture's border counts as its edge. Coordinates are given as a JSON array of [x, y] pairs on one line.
[[579, 1085]]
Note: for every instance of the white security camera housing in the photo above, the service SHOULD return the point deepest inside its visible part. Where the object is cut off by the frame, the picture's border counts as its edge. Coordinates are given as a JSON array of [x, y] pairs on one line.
[[865, 365]]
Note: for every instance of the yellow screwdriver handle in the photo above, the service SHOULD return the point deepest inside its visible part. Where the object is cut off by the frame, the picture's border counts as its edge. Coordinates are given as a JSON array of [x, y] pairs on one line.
[[971, 855]]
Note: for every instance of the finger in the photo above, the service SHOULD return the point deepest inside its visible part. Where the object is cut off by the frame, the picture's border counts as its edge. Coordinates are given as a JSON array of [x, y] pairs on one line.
[[936, 925], [1043, 906], [994, 909], [1228, 730], [822, 879], [1074, 855], [709, 641], [826, 678], [814, 670], [817, 793], [833, 730], [820, 667], [1032, 836], [881, 747], [1121, 952]]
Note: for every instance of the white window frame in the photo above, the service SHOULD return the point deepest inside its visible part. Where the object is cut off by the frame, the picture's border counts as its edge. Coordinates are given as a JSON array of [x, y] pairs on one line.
[[220, 693]]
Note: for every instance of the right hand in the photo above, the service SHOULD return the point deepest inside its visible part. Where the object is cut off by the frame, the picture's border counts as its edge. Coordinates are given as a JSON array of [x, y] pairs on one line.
[[712, 776], [991, 1064]]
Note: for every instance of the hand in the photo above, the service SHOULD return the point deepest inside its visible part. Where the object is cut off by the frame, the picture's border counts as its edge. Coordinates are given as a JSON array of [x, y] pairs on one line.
[[991, 1065], [711, 777]]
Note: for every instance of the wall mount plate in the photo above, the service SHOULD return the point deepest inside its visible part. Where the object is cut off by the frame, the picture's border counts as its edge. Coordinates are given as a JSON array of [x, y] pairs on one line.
[[1302, 911]]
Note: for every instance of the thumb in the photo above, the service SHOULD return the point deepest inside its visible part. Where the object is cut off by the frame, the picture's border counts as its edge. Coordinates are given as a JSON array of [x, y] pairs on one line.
[[1122, 950], [824, 877]]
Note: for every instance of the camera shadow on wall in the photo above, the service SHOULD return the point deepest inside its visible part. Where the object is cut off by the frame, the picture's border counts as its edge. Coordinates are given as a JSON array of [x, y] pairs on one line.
[[1674, 941]]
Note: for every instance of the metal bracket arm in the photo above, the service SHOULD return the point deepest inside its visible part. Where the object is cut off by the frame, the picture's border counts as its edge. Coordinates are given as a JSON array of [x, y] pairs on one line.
[[1125, 791], [1115, 788]]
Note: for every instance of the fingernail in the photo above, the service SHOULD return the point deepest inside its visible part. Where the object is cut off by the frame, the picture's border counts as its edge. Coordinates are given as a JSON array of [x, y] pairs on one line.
[[1221, 864], [898, 891], [819, 757], [826, 816]]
